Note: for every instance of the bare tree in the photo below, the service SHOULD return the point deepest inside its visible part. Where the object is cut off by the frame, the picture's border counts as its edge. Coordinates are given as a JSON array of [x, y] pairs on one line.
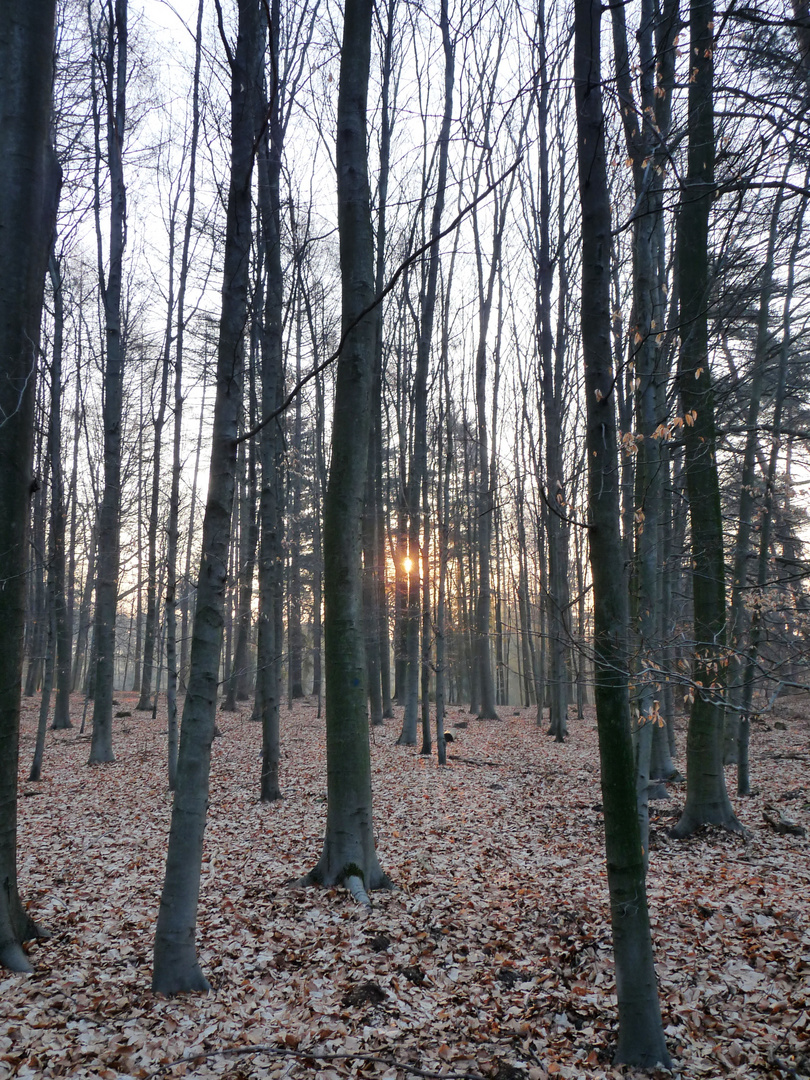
[[641, 1036], [111, 43], [176, 968], [28, 198], [707, 800], [349, 855]]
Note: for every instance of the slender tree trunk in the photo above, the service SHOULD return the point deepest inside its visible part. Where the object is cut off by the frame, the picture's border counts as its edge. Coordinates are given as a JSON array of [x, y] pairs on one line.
[[417, 588], [349, 854], [28, 199], [248, 539], [645, 143], [152, 599], [641, 1038], [766, 527], [707, 801], [189, 591], [295, 633], [37, 605], [47, 686], [108, 539], [738, 627], [176, 968], [379, 649], [553, 379], [74, 508], [62, 628], [83, 629], [268, 675], [445, 458], [317, 571], [177, 461]]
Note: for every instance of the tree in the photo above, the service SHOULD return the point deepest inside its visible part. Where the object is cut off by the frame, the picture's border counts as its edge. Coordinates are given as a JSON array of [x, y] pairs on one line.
[[756, 630], [177, 466], [641, 1036], [417, 479], [29, 182], [349, 856], [375, 600], [268, 673], [707, 801], [63, 623], [646, 129], [176, 968], [112, 45]]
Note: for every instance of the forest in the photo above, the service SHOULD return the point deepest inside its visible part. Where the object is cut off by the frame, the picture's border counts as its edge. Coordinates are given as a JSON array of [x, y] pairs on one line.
[[404, 405]]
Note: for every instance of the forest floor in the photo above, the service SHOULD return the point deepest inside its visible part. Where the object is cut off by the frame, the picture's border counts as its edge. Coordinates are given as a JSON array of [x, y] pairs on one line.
[[491, 957]]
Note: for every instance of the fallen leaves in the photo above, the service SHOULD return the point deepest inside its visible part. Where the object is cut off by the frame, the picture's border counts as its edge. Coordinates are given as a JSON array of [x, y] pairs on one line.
[[491, 958]]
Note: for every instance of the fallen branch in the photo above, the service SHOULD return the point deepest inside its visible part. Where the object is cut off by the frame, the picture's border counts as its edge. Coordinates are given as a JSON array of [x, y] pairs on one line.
[[781, 824]]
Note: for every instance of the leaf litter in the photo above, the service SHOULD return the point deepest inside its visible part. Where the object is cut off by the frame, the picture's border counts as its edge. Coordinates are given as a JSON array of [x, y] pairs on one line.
[[490, 958]]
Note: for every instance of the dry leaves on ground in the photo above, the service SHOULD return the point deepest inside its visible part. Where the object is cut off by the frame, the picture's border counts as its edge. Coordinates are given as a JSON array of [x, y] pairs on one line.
[[491, 958]]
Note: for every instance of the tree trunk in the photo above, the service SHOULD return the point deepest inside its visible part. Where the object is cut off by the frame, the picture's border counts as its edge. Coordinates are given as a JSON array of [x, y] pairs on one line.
[[152, 597], [641, 1037], [28, 200], [177, 460], [418, 470], [766, 526], [248, 539], [707, 801], [108, 539], [295, 632], [271, 557], [176, 968], [738, 628], [62, 629], [349, 854]]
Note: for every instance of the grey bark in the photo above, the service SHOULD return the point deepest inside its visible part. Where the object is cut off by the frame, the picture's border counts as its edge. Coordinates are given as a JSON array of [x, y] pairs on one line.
[[552, 374], [738, 619], [62, 628], [641, 1038], [176, 968], [159, 422], [707, 801], [417, 586], [173, 527], [766, 527], [646, 132], [28, 198], [271, 559], [349, 854], [114, 55]]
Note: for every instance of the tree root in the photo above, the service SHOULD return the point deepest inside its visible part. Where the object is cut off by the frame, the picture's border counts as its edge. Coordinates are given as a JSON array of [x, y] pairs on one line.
[[689, 823], [355, 885], [13, 958]]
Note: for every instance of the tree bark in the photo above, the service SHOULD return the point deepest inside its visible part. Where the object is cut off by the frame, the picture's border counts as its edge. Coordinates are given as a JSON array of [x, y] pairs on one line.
[[766, 526], [176, 968], [177, 461], [417, 584], [268, 675], [641, 1039], [349, 854], [707, 801], [63, 628], [108, 533], [28, 199]]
